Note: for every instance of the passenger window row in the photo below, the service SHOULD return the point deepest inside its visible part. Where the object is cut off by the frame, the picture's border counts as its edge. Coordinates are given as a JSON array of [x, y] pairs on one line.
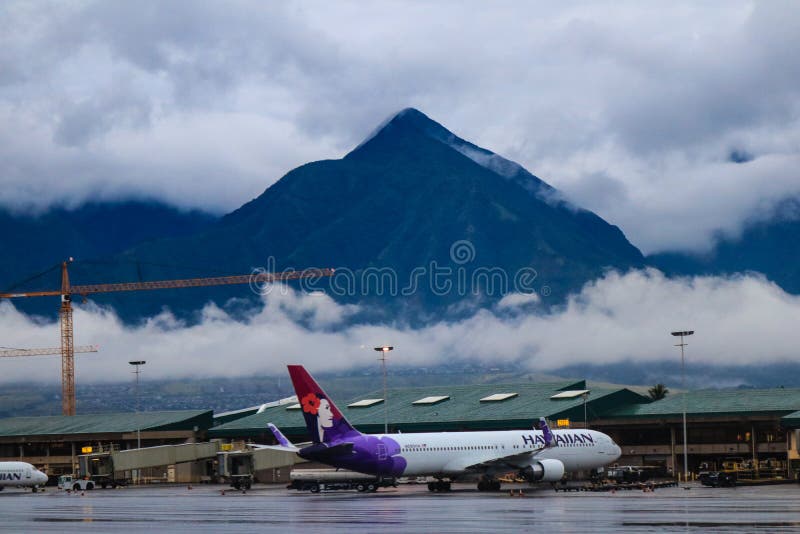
[[462, 448]]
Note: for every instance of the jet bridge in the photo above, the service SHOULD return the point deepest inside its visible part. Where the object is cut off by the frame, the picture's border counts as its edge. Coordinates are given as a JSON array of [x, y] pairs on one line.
[[109, 467], [112, 467]]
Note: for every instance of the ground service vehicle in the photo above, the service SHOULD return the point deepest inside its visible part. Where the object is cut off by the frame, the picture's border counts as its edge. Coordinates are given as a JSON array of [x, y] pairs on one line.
[[67, 482], [316, 480]]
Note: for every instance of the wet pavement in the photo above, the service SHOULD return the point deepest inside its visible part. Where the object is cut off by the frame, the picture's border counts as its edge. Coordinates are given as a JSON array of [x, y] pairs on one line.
[[405, 509]]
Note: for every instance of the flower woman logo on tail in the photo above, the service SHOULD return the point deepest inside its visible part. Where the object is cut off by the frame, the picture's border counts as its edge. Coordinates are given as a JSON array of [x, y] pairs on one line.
[[320, 407], [310, 404]]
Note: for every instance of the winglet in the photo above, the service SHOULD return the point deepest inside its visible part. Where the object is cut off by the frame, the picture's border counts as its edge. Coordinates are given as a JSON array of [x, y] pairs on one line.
[[549, 441], [279, 437]]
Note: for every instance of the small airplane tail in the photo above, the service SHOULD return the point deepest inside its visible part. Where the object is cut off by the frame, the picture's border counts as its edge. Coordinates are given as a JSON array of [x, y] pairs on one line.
[[324, 421], [284, 445], [547, 434], [279, 437]]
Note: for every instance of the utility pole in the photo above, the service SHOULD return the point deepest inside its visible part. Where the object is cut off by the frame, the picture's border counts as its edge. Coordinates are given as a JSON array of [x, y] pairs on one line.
[[683, 387], [137, 364], [585, 412], [384, 350]]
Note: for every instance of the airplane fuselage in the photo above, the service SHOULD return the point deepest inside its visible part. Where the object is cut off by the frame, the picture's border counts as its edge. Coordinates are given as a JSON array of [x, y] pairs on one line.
[[20, 474], [455, 453]]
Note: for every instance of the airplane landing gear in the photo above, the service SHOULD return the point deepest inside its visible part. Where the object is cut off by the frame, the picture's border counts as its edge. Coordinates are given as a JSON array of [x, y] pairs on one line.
[[439, 485]]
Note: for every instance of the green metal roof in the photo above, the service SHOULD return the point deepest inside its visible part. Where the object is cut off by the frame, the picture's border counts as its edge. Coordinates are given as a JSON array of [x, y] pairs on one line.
[[791, 421], [462, 410], [105, 423], [715, 402]]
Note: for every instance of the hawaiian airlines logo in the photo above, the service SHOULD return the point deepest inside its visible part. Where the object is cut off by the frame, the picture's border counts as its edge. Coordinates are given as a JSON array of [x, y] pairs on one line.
[[11, 476], [532, 440], [320, 407], [566, 439], [310, 404]]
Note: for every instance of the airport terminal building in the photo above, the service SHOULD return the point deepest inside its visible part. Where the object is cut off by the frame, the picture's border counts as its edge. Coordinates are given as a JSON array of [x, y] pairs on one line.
[[747, 425], [756, 426], [56, 443]]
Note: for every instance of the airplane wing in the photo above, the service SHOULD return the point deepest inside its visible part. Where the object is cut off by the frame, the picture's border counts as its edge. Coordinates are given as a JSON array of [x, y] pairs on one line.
[[511, 461], [280, 448], [518, 460]]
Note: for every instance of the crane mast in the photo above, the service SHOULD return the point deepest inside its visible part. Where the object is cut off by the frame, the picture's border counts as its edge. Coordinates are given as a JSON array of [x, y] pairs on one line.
[[67, 346]]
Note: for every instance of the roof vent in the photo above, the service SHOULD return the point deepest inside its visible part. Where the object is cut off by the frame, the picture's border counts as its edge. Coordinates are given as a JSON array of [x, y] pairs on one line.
[[569, 394], [497, 397], [363, 403], [434, 399]]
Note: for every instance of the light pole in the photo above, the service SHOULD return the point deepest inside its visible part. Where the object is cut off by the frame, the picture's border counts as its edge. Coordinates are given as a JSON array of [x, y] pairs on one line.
[[384, 350], [585, 418], [682, 334], [137, 364]]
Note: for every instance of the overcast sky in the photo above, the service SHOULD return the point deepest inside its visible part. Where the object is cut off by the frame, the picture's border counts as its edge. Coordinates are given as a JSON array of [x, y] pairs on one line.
[[674, 120], [632, 109]]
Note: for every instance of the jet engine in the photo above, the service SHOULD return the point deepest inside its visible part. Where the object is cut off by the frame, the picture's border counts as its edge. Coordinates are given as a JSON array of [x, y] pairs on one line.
[[543, 471]]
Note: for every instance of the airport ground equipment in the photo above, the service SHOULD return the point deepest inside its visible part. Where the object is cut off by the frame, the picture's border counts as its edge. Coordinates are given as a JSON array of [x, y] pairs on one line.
[[238, 468], [717, 479], [68, 482], [627, 474], [65, 311], [738, 471], [316, 480]]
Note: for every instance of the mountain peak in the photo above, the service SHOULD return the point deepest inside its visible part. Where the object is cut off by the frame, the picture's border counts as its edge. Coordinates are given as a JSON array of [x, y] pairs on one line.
[[405, 118], [414, 118], [410, 113], [410, 122]]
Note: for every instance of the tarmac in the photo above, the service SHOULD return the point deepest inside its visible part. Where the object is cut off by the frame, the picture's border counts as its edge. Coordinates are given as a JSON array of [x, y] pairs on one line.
[[409, 508]]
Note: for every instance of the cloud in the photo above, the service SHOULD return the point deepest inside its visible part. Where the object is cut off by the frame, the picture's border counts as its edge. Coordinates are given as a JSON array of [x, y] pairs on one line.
[[618, 318], [708, 200], [632, 111], [516, 300]]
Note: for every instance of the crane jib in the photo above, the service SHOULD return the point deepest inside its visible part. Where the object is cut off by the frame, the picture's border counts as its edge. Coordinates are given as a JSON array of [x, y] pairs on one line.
[[168, 284]]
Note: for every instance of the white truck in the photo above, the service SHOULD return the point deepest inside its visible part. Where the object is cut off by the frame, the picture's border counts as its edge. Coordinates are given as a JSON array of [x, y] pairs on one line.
[[67, 482]]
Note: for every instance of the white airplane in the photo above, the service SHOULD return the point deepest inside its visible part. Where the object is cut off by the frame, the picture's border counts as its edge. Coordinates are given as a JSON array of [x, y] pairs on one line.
[[537, 455], [21, 474]]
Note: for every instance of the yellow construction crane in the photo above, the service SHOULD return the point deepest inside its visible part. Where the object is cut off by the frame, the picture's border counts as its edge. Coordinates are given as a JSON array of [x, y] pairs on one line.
[[65, 312]]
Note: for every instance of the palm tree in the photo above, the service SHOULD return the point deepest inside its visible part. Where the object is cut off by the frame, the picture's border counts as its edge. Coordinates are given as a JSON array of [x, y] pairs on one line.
[[658, 392]]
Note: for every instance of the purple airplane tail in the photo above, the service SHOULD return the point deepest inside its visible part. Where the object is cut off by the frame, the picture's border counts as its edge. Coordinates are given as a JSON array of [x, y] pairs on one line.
[[279, 437], [324, 421], [549, 441]]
